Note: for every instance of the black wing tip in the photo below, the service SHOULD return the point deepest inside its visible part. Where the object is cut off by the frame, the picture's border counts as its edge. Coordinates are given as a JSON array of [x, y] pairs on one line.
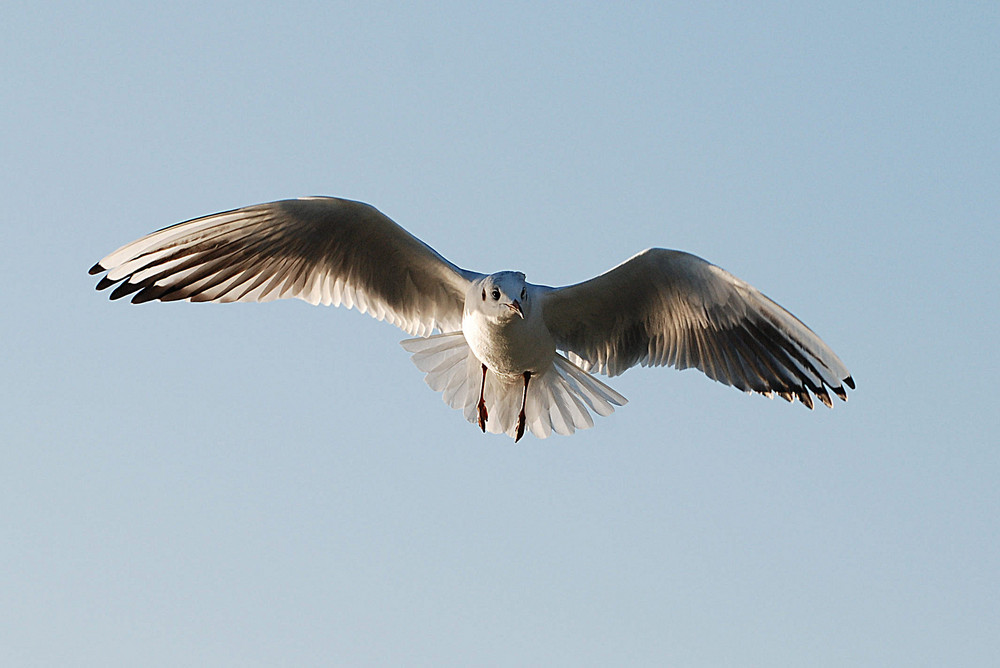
[[96, 269], [839, 391], [124, 290], [805, 398], [144, 296], [824, 396]]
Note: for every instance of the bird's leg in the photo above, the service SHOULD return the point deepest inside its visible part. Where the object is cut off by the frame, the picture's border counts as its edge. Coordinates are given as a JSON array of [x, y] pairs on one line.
[[520, 416], [481, 407]]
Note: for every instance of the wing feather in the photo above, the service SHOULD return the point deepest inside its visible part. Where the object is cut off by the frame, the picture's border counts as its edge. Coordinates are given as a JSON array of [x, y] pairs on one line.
[[318, 249], [666, 307]]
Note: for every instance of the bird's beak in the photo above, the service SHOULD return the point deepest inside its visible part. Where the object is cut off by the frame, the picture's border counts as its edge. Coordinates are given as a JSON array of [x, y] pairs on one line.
[[515, 306]]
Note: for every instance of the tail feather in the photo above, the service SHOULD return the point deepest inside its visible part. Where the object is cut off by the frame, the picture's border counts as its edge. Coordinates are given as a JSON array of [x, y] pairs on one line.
[[443, 357], [599, 397], [538, 418], [570, 405], [551, 412], [558, 398]]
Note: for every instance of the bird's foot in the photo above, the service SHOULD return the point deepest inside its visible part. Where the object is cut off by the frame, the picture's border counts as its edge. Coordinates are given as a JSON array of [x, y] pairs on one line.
[[521, 419], [520, 426], [483, 415]]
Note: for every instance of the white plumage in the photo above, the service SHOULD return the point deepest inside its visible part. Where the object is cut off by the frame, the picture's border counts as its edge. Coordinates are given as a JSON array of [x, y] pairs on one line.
[[496, 354]]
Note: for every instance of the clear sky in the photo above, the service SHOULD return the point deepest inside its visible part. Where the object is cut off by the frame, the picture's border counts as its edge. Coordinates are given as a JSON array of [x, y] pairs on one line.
[[274, 484]]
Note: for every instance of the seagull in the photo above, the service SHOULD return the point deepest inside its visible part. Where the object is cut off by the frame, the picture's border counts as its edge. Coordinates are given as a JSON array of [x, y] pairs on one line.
[[512, 355]]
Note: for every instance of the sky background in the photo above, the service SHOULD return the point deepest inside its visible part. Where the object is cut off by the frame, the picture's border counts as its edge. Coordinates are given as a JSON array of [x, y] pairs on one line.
[[255, 485]]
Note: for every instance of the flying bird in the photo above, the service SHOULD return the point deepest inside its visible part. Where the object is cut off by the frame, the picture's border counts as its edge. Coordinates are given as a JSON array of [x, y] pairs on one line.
[[490, 343]]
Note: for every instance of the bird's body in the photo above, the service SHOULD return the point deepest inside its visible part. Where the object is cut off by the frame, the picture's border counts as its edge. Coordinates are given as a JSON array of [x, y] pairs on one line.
[[496, 354], [508, 341]]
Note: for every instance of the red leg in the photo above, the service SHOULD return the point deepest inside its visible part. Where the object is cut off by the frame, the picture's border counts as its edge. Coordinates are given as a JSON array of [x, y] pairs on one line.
[[483, 414], [520, 416]]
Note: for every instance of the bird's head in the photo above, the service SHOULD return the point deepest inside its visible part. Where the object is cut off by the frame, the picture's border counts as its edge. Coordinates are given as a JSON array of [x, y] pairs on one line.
[[501, 296]]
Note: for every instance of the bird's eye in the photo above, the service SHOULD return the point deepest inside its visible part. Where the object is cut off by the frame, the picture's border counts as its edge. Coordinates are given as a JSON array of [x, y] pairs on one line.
[[484, 294], [524, 292], [495, 294]]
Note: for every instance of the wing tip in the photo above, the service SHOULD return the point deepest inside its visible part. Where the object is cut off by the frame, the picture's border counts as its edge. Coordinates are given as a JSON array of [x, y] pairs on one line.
[[97, 268], [805, 398], [840, 391], [124, 290], [824, 396]]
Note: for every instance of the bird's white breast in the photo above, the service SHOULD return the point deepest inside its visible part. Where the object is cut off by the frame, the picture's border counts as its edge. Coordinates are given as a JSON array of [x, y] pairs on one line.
[[509, 347]]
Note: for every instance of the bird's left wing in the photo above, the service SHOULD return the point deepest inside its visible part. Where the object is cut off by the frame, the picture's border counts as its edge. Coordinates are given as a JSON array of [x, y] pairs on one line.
[[322, 250], [666, 307]]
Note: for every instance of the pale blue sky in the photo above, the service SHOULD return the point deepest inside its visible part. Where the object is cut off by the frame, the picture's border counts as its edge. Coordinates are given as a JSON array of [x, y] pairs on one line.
[[274, 484]]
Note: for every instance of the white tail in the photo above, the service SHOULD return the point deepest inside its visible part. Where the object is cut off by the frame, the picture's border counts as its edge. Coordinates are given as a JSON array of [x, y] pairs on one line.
[[558, 398]]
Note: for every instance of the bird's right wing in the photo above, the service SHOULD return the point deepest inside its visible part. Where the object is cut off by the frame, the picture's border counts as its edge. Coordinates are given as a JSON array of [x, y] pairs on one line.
[[670, 307], [322, 250]]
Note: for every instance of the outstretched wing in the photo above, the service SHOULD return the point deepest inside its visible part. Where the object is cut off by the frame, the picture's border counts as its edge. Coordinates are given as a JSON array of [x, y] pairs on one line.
[[322, 250], [668, 307]]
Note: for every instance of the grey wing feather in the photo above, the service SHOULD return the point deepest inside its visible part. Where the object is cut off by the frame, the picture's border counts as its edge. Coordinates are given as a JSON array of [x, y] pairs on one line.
[[322, 250], [666, 307]]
